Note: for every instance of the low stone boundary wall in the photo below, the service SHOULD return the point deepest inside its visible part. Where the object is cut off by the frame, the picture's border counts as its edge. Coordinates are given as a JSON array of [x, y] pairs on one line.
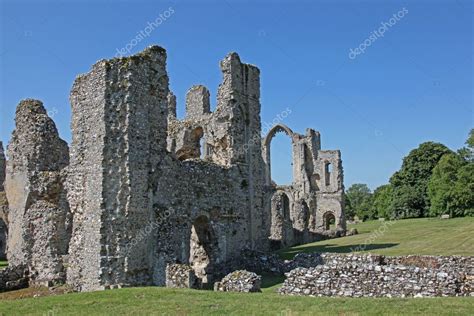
[[357, 275]]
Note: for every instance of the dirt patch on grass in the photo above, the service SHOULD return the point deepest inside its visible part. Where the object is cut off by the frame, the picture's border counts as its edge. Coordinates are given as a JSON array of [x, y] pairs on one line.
[[36, 291]]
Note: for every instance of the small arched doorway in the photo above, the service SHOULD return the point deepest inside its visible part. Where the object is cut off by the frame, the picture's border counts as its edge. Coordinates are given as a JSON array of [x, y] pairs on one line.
[[203, 245], [329, 220]]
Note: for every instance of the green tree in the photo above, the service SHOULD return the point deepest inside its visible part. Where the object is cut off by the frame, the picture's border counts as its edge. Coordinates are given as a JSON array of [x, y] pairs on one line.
[[381, 201], [348, 207], [463, 193], [410, 183], [359, 197], [441, 186], [467, 152]]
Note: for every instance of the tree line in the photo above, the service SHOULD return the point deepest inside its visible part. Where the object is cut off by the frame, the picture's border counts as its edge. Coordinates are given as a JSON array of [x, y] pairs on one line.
[[433, 181]]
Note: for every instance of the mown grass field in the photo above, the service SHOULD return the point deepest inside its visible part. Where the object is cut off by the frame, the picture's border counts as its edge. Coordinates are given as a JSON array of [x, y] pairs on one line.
[[159, 301], [419, 236], [424, 236]]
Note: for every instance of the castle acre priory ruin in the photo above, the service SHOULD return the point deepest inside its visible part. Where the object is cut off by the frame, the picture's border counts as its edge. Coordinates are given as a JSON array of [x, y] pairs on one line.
[[139, 190]]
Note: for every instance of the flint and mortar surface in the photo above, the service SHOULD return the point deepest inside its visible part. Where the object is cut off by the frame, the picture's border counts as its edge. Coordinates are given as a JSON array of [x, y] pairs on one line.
[[140, 189]]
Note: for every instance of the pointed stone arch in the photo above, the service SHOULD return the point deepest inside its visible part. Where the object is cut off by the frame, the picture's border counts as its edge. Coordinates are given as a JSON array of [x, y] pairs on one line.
[[266, 148]]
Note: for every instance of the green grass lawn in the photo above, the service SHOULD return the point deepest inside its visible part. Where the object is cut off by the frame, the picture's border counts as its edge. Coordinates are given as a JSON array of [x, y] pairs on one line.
[[159, 301], [418, 236], [425, 236]]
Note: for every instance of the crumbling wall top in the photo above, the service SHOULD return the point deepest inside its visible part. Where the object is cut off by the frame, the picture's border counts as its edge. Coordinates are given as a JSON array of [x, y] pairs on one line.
[[197, 101], [35, 143]]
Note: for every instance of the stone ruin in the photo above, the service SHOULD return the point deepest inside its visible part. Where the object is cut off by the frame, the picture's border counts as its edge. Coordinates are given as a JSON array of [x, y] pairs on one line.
[[3, 206], [140, 189], [365, 275], [239, 281], [39, 219]]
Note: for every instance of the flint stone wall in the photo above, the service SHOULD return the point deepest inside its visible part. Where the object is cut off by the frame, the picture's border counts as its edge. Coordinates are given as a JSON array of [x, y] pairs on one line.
[[145, 188], [39, 218], [180, 276], [239, 281], [379, 276], [261, 262], [130, 196], [3, 165], [3, 206]]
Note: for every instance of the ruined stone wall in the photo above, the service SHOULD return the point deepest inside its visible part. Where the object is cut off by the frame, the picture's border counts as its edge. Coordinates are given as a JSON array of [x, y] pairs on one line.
[[3, 165], [141, 195], [119, 114], [219, 181], [39, 218], [315, 195], [358, 275], [208, 197], [3, 206], [146, 189]]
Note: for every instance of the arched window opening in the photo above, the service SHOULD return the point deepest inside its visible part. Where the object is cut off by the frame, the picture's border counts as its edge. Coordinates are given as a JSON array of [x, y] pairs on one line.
[[328, 173], [281, 157], [329, 221], [202, 148]]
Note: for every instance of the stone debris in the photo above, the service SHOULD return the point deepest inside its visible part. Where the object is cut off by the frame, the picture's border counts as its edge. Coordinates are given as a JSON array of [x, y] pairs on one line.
[[352, 231], [379, 276], [181, 276], [239, 281], [13, 278]]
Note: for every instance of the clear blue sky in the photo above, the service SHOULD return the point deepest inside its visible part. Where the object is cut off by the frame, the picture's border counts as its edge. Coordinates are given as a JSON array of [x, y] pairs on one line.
[[412, 85]]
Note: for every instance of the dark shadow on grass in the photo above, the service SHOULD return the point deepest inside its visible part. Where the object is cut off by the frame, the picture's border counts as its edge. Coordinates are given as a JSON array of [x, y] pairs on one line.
[[289, 253], [269, 280]]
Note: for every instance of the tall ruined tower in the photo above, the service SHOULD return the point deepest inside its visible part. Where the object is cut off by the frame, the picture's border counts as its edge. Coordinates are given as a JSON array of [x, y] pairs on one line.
[[239, 93], [119, 123], [39, 225]]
